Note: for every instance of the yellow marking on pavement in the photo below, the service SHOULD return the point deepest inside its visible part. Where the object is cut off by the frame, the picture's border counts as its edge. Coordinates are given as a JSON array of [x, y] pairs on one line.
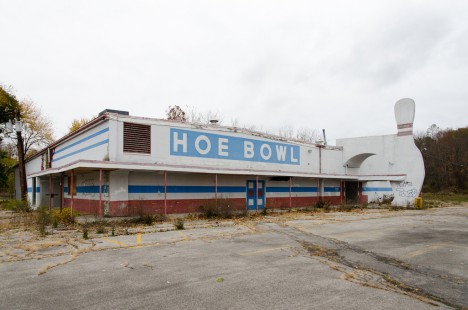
[[184, 236], [262, 251], [139, 238], [116, 242]]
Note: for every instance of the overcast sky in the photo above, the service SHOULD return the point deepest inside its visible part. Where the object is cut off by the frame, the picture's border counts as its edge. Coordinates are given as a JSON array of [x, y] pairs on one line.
[[338, 65]]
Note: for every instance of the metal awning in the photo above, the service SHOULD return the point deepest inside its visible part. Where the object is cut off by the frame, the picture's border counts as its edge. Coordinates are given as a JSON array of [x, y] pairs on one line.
[[93, 165]]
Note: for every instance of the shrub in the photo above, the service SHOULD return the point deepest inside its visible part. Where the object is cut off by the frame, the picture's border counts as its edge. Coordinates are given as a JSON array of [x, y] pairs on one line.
[[16, 206], [85, 232], [323, 204], [42, 220], [222, 207], [100, 227], [146, 219], [179, 225], [64, 217]]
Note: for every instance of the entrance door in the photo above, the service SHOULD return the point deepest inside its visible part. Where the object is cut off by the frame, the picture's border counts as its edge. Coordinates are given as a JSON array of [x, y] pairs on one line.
[[255, 196], [351, 192]]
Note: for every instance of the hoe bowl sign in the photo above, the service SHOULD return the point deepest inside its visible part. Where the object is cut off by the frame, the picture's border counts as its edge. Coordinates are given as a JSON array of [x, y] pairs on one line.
[[192, 143]]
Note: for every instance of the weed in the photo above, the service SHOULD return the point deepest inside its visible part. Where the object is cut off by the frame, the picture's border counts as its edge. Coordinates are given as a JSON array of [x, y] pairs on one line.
[[113, 230], [85, 233], [16, 206], [396, 208], [42, 220], [221, 207], [148, 219], [264, 211], [65, 217], [101, 227], [348, 208], [159, 217], [179, 225], [244, 213], [322, 204]]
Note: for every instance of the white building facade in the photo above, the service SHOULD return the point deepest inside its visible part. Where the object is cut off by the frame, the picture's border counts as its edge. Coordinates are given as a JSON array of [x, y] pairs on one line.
[[121, 165]]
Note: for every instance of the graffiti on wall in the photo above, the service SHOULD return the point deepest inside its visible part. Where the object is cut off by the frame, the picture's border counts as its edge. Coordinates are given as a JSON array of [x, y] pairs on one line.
[[406, 189], [89, 187]]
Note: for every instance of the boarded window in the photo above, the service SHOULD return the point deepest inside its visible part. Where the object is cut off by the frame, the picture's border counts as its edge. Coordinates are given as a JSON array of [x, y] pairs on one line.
[[137, 138]]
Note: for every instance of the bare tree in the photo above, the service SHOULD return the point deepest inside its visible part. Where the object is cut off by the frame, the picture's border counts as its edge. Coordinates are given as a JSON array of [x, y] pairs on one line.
[[308, 135], [175, 113], [287, 132], [197, 117]]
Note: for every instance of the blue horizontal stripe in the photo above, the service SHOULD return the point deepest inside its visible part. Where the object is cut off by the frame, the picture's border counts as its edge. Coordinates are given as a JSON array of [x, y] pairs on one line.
[[331, 189], [91, 189], [152, 189], [285, 189], [38, 189], [82, 140], [92, 146], [377, 189]]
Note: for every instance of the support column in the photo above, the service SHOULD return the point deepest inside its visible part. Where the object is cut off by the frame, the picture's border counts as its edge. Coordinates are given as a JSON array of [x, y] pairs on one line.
[[341, 191], [216, 189], [50, 192], [290, 190], [318, 189], [100, 193], [165, 192], [71, 192], [256, 195], [61, 192]]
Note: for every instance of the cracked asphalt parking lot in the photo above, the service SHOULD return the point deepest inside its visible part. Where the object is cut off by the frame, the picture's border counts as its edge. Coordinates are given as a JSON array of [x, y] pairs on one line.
[[371, 259]]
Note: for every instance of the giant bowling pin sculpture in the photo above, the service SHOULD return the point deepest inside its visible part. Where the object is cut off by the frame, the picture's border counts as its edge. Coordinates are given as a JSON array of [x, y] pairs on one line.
[[407, 157]]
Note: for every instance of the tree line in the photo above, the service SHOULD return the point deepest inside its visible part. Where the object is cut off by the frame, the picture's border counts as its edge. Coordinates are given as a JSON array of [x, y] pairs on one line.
[[445, 154]]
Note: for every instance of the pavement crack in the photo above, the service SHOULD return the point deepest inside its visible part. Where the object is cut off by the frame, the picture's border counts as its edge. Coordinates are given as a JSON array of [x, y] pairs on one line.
[[379, 271]]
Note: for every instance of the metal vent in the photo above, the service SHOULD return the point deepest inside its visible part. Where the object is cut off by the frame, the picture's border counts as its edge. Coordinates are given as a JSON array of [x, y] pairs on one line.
[[137, 138]]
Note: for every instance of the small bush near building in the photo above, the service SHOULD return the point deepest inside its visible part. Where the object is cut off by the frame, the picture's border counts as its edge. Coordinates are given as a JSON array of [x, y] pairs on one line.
[[222, 207], [43, 219], [65, 217], [179, 225], [100, 227], [16, 206]]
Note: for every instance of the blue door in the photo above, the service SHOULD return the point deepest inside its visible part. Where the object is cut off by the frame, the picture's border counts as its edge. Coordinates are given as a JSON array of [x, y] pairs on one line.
[[255, 196]]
